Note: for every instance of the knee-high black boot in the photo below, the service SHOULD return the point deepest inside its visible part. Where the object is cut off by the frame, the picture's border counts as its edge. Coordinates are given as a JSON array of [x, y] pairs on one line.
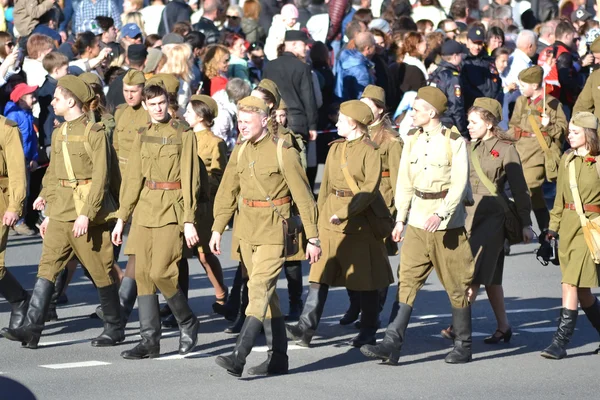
[[593, 314], [382, 297], [59, 286], [18, 298], [29, 334], [149, 346], [293, 274], [183, 281], [369, 318], [461, 322], [277, 359], [235, 362], [562, 336], [114, 330], [304, 330], [389, 348], [351, 314], [236, 327], [231, 307], [187, 321]]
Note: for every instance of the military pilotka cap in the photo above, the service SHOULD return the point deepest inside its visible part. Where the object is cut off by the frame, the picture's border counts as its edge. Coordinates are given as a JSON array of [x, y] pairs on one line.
[[435, 97], [168, 81], [134, 77], [254, 102], [91, 78], [491, 105], [282, 105], [358, 111], [533, 74], [376, 94], [272, 88], [451, 47], [585, 119], [78, 87], [209, 101], [595, 47]]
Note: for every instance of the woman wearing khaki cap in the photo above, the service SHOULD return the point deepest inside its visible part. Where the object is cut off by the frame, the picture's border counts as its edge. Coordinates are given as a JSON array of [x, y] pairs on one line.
[[579, 270], [353, 257]]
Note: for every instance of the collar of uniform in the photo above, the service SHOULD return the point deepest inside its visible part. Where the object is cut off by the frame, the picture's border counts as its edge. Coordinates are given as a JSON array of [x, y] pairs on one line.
[[265, 139], [159, 124], [536, 100], [376, 124], [137, 108], [83, 118], [354, 141], [433, 131], [203, 132]]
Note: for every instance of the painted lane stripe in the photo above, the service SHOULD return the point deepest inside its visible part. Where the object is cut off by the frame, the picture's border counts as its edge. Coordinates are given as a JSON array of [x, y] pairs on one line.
[[194, 354], [264, 349], [54, 343], [538, 330], [82, 364]]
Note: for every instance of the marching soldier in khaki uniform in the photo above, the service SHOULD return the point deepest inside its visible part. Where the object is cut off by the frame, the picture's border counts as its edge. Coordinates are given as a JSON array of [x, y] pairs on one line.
[[577, 192], [432, 185], [550, 120], [390, 149], [13, 190], [589, 98], [171, 84], [79, 204], [349, 205], [162, 185], [268, 91], [212, 150], [265, 174]]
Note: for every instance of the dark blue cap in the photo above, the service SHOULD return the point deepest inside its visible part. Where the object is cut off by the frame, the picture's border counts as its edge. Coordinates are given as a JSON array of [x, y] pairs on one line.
[[451, 47]]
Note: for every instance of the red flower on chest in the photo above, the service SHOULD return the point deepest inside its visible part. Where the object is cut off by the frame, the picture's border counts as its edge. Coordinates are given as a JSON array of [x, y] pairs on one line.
[[590, 160], [494, 153]]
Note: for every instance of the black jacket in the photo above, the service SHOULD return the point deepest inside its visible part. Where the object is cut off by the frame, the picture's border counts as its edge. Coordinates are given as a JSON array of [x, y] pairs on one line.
[[208, 28], [447, 78], [47, 116], [268, 9], [174, 12], [294, 79], [479, 78]]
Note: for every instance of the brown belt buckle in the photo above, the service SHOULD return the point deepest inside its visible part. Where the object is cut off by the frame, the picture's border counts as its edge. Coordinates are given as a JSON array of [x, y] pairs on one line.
[[151, 185], [337, 193]]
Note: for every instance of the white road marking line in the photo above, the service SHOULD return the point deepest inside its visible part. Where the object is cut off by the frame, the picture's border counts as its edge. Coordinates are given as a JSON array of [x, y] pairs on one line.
[[474, 334], [82, 364], [264, 349], [46, 344], [195, 354], [432, 316], [164, 334], [528, 310], [538, 330]]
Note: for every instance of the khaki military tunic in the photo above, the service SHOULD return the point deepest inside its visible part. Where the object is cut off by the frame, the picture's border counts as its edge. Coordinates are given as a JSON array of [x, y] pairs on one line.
[[530, 152], [432, 164], [500, 163], [94, 250], [351, 255], [259, 229], [589, 98], [162, 153], [13, 180], [576, 263]]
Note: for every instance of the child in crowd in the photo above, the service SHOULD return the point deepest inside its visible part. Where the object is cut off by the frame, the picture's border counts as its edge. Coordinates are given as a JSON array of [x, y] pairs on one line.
[[283, 22], [56, 64]]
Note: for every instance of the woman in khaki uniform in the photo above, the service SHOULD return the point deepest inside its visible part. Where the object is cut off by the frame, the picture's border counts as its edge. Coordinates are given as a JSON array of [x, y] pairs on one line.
[[497, 156], [352, 256], [390, 150], [579, 272], [212, 150]]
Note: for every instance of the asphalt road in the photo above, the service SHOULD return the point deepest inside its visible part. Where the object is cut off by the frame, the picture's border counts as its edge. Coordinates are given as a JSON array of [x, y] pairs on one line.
[[67, 367]]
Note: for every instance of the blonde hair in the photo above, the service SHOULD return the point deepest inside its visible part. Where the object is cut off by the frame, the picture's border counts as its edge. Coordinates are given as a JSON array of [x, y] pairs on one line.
[[135, 18], [179, 61], [213, 55]]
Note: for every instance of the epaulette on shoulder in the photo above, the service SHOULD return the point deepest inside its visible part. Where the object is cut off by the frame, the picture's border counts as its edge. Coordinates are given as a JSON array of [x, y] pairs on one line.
[[121, 106], [179, 125], [98, 127], [144, 128], [412, 131], [369, 142], [568, 151], [286, 144], [10, 122], [454, 133], [554, 104], [239, 141], [337, 141]]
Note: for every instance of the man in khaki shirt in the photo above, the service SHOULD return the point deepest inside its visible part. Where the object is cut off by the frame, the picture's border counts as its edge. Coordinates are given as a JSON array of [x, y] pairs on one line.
[[13, 187], [432, 184], [253, 173]]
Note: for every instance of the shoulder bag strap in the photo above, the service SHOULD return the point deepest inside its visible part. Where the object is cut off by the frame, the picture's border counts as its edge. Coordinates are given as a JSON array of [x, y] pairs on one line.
[[344, 164], [575, 192], [67, 158], [486, 181], [242, 148], [538, 132], [448, 145]]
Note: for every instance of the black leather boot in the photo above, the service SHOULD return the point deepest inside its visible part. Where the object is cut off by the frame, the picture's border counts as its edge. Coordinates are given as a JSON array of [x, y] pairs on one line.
[[382, 297], [277, 359], [304, 330], [18, 298], [149, 346], [593, 314], [562, 336], [231, 308], [235, 362], [461, 322], [187, 321], [389, 349], [369, 318], [114, 330], [29, 334], [127, 297], [351, 314], [293, 274], [59, 286], [394, 311], [236, 327]]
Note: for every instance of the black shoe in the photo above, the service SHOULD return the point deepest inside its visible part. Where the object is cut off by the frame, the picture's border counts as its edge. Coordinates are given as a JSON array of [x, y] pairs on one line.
[[187, 321], [389, 349], [562, 336], [31, 330], [499, 336], [149, 346], [369, 318], [277, 359], [17, 297], [114, 331], [461, 323], [304, 330], [220, 302], [235, 362], [353, 311], [236, 327], [448, 333]]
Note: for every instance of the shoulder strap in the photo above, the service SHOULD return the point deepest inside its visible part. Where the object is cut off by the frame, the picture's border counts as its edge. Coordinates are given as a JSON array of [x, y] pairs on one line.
[[344, 164], [538, 132], [86, 140], [67, 159], [485, 180], [280, 142], [448, 145], [242, 148], [261, 188], [575, 192]]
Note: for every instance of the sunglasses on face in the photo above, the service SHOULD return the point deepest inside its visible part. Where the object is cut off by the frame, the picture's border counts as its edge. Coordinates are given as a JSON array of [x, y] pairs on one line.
[[457, 31], [9, 44], [233, 17]]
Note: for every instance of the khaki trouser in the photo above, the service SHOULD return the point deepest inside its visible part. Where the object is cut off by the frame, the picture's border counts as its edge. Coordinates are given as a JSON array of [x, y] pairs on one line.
[[264, 264], [448, 252], [94, 250], [3, 239], [157, 252]]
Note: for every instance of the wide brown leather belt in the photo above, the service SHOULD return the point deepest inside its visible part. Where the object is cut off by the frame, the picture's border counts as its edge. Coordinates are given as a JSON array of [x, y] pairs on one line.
[[431, 195], [342, 193], [67, 183], [385, 174], [263, 203], [153, 185], [586, 207]]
